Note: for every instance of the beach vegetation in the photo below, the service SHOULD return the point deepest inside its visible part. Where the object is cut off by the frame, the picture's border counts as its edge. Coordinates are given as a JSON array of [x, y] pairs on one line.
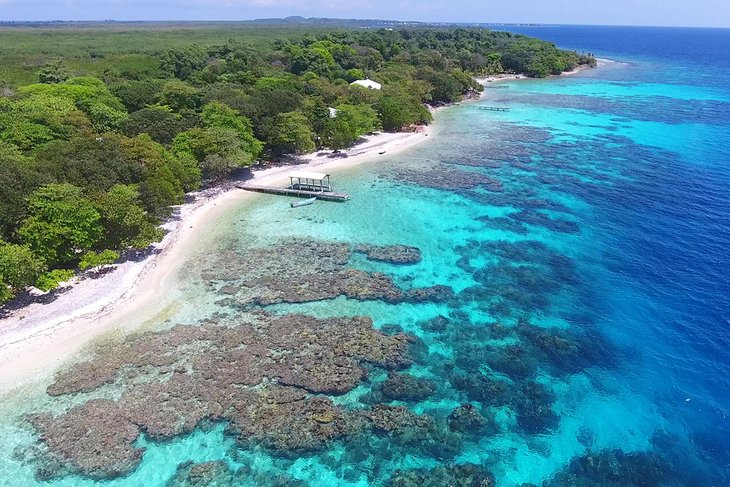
[[94, 260], [61, 224], [52, 279], [19, 268], [127, 225]]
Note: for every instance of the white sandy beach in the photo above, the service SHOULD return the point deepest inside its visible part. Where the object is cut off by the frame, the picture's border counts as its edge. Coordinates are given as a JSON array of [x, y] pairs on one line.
[[37, 339]]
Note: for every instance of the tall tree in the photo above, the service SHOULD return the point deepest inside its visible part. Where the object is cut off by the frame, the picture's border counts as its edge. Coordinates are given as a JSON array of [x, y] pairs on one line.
[[289, 133], [61, 224], [19, 268], [126, 224]]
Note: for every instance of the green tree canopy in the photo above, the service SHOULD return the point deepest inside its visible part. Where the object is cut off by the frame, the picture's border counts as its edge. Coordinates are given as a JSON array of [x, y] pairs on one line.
[[18, 178], [290, 133], [54, 72], [88, 94], [180, 96], [137, 94], [61, 224], [398, 109], [39, 118], [161, 124], [126, 224], [19, 268], [93, 260], [219, 150], [182, 63]]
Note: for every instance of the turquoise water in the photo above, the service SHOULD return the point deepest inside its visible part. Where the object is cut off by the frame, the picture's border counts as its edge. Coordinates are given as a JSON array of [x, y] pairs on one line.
[[608, 232]]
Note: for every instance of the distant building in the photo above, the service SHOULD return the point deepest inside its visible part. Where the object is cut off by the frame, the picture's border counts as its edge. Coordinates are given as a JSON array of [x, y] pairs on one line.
[[368, 83], [333, 112]]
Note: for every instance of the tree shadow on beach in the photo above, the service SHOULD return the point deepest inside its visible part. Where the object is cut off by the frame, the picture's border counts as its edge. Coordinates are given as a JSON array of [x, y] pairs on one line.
[[28, 297]]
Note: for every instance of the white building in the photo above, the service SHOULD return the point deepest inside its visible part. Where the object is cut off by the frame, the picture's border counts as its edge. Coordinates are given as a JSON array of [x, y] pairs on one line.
[[367, 83]]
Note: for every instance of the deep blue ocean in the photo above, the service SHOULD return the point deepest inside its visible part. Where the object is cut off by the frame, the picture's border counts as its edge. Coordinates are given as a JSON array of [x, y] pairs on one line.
[[665, 272], [586, 236]]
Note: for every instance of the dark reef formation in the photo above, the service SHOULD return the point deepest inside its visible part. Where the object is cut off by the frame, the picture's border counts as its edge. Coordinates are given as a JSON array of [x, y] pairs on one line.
[[220, 474], [518, 278], [615, 468], [258, 376], [495, 365], [301, 271], [467, 419], [466, 475], [447, 178], [207, 474], [393, 254], [405, 387]]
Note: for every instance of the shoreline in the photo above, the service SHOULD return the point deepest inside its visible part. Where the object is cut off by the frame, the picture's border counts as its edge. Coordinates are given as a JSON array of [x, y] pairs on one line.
[[37, 339]]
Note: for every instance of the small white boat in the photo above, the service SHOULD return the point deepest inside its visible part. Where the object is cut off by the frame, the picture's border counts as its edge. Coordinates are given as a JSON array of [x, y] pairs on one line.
[[306, 202]]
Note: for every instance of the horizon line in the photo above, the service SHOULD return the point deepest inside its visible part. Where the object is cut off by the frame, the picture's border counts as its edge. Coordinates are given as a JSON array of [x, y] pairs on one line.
[[423, 22]]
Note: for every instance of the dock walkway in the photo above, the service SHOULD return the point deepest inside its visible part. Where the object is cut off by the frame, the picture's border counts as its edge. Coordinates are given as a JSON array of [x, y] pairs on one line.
[[321, 195]]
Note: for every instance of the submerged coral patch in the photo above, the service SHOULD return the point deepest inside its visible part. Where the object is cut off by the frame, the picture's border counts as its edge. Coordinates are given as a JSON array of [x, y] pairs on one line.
[[206, 474], [302, 271], [447, 178], [615, 468], [465, 475], [257, 376], [392, 254]]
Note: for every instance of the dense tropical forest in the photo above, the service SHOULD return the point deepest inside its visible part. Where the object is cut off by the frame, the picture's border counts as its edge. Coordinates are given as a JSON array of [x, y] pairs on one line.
[[103, 131]]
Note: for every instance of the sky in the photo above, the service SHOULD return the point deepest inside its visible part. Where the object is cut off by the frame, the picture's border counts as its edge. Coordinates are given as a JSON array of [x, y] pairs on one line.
[[699, 13]]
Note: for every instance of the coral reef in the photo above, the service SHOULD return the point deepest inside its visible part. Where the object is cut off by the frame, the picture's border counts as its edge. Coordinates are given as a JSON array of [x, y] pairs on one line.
[[256, 375], [447, 178], [351, 283], [466, 418], [392, 254], [466, 475], [405, 387], [264, 277], [94, 439], [615, 468], [207, 474]]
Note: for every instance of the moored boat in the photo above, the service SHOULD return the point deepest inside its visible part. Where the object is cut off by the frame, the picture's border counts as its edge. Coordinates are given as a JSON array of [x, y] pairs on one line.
[[305, 202]]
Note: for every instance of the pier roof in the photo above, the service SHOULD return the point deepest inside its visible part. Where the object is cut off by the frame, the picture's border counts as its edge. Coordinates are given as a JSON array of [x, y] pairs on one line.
[[309, 175]]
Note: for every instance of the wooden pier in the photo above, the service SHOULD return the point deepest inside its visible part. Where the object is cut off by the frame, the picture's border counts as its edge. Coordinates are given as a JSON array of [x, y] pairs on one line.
[[321, 195], [304, 185], [493, 109]]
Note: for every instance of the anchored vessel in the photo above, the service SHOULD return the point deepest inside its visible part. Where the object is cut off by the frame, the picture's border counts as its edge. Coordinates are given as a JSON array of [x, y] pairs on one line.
[[305, 202]]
